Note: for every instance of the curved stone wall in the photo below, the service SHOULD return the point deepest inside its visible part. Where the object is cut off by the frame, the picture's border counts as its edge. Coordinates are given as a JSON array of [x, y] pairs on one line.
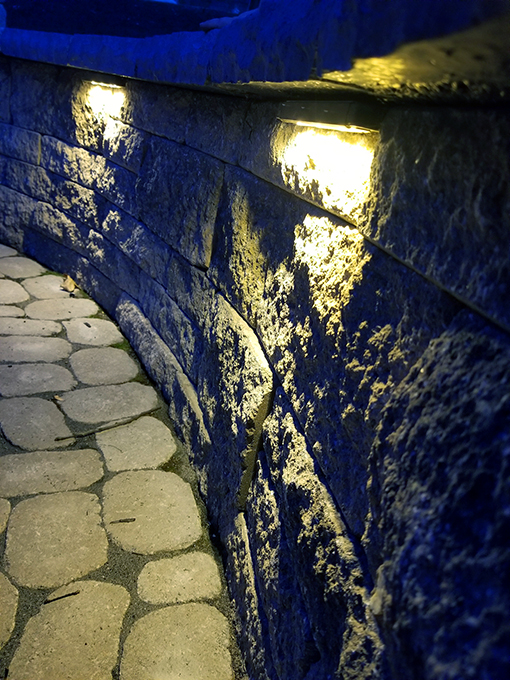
[[343, 391]]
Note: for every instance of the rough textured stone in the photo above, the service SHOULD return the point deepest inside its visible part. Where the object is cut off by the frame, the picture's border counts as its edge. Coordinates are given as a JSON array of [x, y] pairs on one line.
[[21, 348], [54, 539], [188, 641], [11, 310], [48, 472], [185, 578], [103, 366], [75, 634], [33, 423], [5, 509], [61, 309], [20, 267], [22, 379], [148, 511], [46, 287], [17, 211], [146, 443], [440, 488], [110, 402], [8, 608], [123, 144], [24, 145], [181, 212], [72, 163], [92, 332], [11, 292], [29, 327]]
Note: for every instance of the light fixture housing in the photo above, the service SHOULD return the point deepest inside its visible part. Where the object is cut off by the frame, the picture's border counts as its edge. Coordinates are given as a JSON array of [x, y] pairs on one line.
[[346, 116]]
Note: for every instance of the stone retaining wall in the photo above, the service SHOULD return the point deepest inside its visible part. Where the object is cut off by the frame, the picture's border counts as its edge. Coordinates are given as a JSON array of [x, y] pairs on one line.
[[343, 391]]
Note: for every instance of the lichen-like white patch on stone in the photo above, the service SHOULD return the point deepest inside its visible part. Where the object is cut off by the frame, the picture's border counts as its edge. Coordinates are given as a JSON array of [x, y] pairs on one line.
[[109, 402], [75, 635], [184, 642], [103, 366], [9, 326], [11, 292], [48, 472], [145, 443], [5, 510], [20, 267], [17, 380], [55, 538], [11, 310], [61, 309], [46, 287], [34, 423], [185, 578], [148, 511], [98, 332], [19, 348], [8, 608]]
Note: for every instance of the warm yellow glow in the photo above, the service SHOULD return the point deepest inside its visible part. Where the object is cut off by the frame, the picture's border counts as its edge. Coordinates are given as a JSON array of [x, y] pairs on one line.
[[331, 168], [329, 126], [106, 100]]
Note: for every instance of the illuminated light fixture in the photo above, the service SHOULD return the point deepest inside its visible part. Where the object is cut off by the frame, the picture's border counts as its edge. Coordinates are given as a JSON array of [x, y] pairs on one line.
[[345, 116], [106, 99]]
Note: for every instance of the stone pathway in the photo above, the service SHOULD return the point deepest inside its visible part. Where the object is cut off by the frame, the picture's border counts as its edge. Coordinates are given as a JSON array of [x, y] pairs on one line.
[[106, 570]]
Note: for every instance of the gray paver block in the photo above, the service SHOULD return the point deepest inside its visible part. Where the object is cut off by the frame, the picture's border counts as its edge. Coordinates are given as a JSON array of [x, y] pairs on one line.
[[8, 608], [11, 292], [74, 637], [145, 443], [34, 424], [103, 366], [55, 538], [17, 380], [46, 287], [61, 309], [17, 349], [109, 402], [147, 511], [5, 510], [11, 310], [6, 251], [20, 267], [10, 326], [22, 474], [183, 642], [193, 576], [98, 332]]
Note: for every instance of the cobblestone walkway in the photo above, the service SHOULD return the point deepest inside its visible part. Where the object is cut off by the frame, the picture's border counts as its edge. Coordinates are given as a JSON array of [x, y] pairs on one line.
[[107, 570]]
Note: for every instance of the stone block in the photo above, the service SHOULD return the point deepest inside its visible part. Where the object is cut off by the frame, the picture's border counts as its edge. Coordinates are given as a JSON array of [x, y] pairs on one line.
[[124, 144], [235, 390], [136, 241], [27, 179], [71, 162], [109, 402], [103, 366], [327, 562], [12, 292], [118, 186], [16, 210], [440, 490], [5, 90], [20, 144], [177, 193], [17, 380], [47, 287], [192, 290], [444, 207], [78, 202], [8, 607]]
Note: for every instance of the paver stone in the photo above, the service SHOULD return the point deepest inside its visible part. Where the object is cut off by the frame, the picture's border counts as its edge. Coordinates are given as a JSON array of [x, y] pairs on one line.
[[6, 251], [75, 636], [10, 326], [193, 576], [183, 642], [34, 423], [98, 332], [103, 366], [5, 510], [8, 608], [55, 538], [11, 292], [21, 348], [22, 474], [145, 443], [61, 309], [11, 310], [17, 380], [109, 402], [147, 511], [47, 287], [20, 267]]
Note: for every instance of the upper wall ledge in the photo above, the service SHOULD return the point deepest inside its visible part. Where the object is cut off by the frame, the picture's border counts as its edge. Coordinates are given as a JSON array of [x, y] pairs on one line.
[[277, 42]]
